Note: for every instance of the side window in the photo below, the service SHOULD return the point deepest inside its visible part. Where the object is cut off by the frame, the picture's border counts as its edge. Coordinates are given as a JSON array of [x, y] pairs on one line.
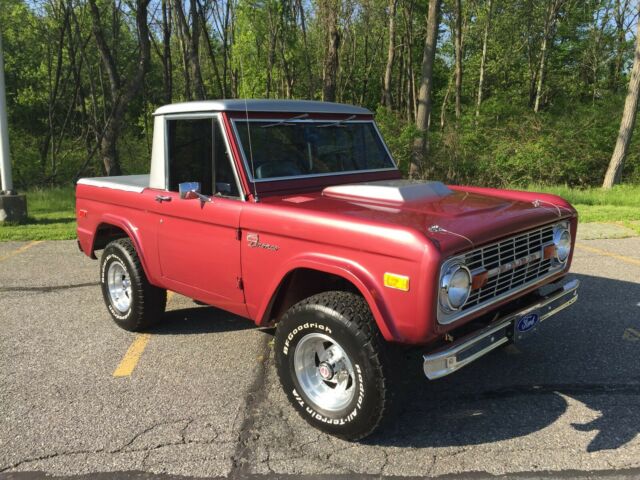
[[197, 153], [190, 153], [225, 180]]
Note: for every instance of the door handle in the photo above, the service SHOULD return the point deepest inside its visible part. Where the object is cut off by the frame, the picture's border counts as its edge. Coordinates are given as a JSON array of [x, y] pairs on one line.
[[163, 198]]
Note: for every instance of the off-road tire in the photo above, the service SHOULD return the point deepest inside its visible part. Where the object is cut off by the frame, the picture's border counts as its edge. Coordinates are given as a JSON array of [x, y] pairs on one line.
[[147, 302], [345, 318]]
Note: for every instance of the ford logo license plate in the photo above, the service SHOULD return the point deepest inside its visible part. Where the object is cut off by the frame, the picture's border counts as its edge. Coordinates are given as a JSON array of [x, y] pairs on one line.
[[526, 324]]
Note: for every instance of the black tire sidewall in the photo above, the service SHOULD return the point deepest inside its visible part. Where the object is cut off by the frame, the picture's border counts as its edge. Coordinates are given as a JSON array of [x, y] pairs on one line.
[[354, 420], [115, 253]]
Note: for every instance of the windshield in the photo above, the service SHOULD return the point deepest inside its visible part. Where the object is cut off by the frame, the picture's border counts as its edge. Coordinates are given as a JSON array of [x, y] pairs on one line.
[[286, 148]]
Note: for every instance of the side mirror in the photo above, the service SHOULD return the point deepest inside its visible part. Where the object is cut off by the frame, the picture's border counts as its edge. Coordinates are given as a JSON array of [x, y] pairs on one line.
[[191, 191], [187, 188]]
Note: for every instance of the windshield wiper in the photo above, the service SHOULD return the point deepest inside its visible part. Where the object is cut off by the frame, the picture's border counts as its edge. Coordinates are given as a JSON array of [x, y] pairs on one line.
[[284, 121], [337, 123]]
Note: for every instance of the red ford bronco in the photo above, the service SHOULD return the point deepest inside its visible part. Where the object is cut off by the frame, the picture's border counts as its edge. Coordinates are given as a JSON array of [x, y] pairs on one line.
[[294, 214]]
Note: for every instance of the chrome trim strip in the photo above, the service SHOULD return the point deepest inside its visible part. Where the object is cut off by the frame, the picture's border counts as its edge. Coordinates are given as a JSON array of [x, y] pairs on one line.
[[227, 145], [317, 175], [444, 362]]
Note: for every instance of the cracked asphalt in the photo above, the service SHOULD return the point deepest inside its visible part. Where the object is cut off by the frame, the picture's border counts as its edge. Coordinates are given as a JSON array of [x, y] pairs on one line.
[[204, 400]]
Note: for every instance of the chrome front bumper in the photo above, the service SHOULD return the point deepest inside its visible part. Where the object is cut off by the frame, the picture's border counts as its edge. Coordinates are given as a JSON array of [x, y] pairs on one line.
[[465, 350]]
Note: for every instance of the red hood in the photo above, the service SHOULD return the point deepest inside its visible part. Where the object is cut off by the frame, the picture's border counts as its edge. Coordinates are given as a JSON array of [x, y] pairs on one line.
[[480, 215]]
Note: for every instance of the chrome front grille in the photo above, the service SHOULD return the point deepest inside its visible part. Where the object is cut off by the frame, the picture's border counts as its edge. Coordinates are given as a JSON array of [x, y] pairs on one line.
[[510, 265]]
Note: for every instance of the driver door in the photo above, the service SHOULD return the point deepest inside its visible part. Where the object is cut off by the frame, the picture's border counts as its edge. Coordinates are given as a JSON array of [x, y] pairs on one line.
[[198, 247]]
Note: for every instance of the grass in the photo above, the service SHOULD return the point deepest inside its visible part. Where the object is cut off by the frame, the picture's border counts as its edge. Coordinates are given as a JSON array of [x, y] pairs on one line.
[[620, 205], [618, 196], [52, 216]]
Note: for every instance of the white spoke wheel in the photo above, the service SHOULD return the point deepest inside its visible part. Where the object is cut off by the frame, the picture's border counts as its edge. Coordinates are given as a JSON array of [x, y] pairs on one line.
[[329, 361], [134, 304]]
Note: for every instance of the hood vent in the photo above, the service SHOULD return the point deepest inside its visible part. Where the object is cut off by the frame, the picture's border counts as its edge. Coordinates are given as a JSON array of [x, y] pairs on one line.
[[389, 191]]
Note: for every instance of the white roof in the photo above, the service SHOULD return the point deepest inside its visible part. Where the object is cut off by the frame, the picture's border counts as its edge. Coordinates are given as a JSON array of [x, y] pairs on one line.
[[238, 105]]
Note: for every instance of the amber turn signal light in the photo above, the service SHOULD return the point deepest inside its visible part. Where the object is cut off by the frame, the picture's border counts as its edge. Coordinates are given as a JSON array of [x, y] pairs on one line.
[[399, 282], [479, 280]]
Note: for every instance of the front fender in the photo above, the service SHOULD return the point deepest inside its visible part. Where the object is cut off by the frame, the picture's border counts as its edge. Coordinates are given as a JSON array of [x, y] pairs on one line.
[[351, 271]]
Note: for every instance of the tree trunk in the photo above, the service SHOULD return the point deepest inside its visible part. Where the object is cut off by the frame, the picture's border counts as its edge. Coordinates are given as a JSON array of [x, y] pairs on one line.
[[223, 18], [109, 148], [210, 51], [194, 47], [483, 59], [167, 65], [420, 145], [55, 86], [271, 55], [549, 27], [183, 43], [400, 87], [191, 42], [330, 76], [614, 172], [458, 55], [543, 61], [287, 26], [307, 60], [445, 100], [121, 93], [620, 13], [391, 53]]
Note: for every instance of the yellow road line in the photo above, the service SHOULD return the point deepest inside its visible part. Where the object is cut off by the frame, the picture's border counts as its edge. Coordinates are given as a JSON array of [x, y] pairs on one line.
[[131, 358], [597, 251], [20, 250], [631, 334]]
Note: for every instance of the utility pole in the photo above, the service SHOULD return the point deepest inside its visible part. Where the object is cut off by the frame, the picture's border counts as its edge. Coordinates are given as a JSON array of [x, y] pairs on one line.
[[13, 207]]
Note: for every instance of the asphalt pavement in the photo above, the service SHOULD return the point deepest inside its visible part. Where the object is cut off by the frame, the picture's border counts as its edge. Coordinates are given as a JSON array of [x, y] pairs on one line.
[[199, 397]]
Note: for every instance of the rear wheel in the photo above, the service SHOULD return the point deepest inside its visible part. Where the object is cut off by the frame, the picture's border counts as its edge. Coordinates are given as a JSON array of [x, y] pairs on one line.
[[329, 359], [134, 304]]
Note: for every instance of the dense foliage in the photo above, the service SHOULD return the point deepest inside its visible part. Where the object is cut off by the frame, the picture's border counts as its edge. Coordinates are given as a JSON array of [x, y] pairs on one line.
[[558, 127]]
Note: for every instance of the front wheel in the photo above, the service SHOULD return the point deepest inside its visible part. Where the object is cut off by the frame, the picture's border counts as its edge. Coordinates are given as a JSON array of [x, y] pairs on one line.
[[329, 359]]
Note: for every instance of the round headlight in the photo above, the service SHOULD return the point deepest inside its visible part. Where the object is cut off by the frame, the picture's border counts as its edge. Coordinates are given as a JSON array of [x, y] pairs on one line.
[[455, 287], [562, 242]]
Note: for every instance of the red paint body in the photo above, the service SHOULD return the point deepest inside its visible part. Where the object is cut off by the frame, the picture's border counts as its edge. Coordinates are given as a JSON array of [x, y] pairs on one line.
[[195, 249]]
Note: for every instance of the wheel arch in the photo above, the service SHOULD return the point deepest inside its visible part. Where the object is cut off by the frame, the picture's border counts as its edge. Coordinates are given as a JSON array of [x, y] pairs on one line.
[[112, 228], [310, 276]]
